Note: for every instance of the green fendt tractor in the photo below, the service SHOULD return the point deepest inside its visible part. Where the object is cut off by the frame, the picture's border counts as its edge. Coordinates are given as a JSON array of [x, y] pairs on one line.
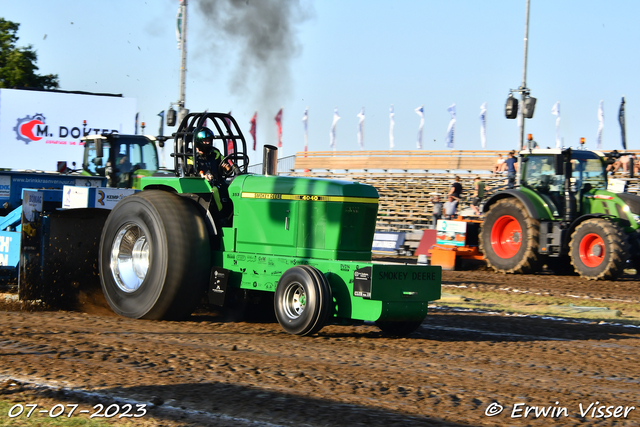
[[302, 245], [562, 215]]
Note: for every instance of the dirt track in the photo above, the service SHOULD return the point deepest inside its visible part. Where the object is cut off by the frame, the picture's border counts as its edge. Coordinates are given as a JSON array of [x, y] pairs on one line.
[[447, 373]]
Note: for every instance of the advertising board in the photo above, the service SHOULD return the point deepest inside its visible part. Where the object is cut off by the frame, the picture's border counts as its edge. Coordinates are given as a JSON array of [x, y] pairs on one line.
[[40, 128]]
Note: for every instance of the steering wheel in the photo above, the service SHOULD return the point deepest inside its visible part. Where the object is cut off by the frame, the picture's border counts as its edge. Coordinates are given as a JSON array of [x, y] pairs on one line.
[[231, 160]]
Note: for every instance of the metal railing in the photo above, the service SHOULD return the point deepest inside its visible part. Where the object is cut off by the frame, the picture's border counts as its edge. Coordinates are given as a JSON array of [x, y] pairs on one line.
[[285, 166]]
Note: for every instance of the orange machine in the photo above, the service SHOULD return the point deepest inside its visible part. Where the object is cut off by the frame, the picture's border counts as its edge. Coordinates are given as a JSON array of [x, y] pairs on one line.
[[456, 240]]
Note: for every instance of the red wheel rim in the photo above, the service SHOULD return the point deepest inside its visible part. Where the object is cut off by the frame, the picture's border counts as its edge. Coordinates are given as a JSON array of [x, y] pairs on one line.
[[591, 250], [506, 236]]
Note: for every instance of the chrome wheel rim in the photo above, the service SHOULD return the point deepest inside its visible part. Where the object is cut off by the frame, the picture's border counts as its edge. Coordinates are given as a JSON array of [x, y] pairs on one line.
[[130, 257], [295, 300]]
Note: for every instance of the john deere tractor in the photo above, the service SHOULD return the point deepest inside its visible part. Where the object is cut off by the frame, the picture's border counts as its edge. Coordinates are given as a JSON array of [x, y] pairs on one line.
[[300, 245], [562, 214]]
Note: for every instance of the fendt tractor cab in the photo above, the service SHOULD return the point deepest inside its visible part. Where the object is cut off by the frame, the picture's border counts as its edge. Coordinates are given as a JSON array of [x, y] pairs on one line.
[[122, 159], [300, 245], [563, 215]]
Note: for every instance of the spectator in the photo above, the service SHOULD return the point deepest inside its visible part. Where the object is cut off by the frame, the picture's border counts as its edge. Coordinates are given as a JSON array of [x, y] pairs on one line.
[[450, 207], [478, 194], [456, 191], [437, 210], [624, 162], [512, 169], [500, 165], [614, 165]]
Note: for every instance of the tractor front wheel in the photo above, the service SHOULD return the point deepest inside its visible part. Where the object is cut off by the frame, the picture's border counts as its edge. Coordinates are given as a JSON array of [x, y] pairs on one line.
[[154, 256], [509, 238], [599, 249], [302, 300]]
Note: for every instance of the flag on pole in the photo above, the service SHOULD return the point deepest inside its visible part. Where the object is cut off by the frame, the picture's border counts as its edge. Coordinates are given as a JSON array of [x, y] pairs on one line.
[[278, 119], [420, 111], [555, 110], [252, 130], [391, 124], [179, 22], [483, 125], [361, 128], [305, 119], [332, 133], [622, 125], [452, 125], [600, 125]]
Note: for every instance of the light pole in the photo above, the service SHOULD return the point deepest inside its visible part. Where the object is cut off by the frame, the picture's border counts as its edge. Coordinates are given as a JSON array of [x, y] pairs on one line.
[[528, 103]]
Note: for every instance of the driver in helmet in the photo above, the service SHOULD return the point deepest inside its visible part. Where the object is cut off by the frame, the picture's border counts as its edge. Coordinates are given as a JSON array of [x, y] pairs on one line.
[[209, 159]]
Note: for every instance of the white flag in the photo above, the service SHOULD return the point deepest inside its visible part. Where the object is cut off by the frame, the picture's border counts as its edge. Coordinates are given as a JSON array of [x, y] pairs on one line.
[[305, 119], [391, 124], [452, 126], [332, 134], [600, 126], [420, 112], [361, 129], [555, 110], [483, 125], [179, 23]]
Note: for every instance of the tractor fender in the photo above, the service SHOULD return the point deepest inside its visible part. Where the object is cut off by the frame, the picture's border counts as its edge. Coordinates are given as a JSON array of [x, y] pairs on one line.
[[531, 209]]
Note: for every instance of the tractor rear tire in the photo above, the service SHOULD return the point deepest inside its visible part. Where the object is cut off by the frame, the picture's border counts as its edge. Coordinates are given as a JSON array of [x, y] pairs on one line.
[[154, 257], [599, 249], [303, 300], [509, 238]]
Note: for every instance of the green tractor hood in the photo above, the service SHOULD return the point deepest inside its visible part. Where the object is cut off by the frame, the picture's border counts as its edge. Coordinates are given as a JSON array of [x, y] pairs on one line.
[[303, 217]]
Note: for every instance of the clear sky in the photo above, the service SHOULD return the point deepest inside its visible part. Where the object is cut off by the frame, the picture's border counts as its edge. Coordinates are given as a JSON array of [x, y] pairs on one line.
[[349, 54]]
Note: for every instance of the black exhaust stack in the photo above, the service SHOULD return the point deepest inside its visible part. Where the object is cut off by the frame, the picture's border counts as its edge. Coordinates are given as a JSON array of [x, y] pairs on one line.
[[270, 160]]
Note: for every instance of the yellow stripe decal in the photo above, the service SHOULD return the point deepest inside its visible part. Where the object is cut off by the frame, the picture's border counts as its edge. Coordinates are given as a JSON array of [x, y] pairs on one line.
[[309, 198]]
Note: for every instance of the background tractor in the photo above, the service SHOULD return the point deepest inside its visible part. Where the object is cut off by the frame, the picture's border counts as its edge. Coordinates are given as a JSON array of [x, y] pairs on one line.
[[562, 214]]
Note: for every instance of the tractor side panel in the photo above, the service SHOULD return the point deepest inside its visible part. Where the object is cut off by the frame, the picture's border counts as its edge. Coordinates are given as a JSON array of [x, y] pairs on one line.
[[397, 292]]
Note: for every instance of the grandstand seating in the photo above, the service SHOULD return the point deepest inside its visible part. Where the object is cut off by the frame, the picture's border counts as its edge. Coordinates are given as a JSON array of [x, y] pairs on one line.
[[406, 180]]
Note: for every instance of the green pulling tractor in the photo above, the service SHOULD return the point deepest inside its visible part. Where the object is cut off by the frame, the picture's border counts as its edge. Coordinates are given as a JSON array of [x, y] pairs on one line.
[[563, 215], [302, 245]]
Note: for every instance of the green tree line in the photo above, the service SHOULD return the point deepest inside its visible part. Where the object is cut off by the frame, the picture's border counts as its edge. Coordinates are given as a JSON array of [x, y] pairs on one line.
[[18, 64]]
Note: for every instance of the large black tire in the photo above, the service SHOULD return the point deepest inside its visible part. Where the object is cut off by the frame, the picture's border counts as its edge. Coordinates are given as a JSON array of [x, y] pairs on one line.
[[599, 249], [400, 328], [154, 257], [509, 238], [303, 300]]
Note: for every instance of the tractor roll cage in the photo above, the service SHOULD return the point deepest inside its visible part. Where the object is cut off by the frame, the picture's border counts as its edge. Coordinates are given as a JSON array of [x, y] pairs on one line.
[[225, 128]]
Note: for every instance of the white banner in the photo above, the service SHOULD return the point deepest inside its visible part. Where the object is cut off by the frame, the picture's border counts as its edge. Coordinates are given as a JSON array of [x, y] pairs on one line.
[[420, 112], [391, 124], [600, 125], [361, 128], [555, 110], [305, 120], [40, 128], [332, 133], [483, 125], [452, 125]]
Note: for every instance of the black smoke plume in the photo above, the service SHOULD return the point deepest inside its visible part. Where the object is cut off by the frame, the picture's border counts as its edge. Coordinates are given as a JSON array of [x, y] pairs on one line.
[[261, 37]]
